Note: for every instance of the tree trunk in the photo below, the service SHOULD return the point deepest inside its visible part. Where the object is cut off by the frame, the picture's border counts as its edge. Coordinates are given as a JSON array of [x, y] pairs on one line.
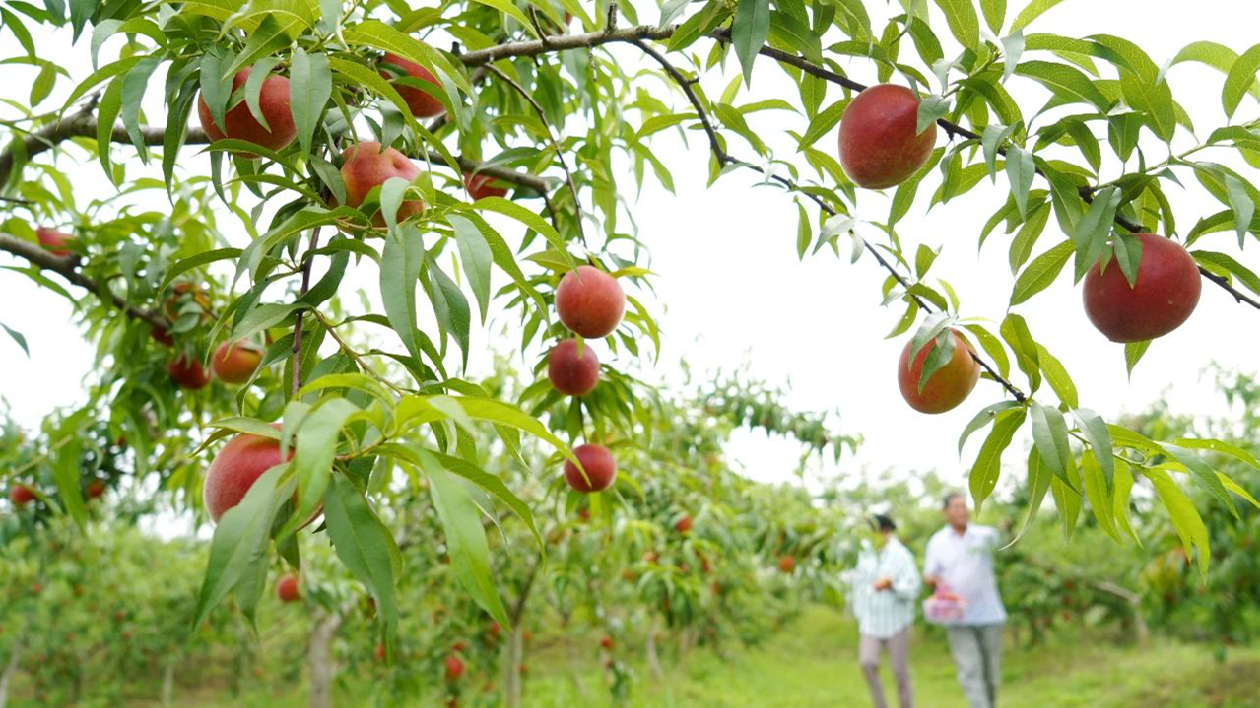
[[510, 663], [168, 682], [571, 664], [10, 669], [649, 646], [320, 660]]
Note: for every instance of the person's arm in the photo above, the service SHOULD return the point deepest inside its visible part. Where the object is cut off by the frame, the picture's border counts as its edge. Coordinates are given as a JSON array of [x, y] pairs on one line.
[[931, 564], [905, 582]]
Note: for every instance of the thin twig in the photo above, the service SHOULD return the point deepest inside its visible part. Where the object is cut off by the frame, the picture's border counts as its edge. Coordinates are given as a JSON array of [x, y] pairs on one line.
[[555, 145], [297, 325]]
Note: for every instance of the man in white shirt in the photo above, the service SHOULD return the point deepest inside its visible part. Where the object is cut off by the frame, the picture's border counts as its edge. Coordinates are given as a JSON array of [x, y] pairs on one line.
[[885, 584], [959, 559]]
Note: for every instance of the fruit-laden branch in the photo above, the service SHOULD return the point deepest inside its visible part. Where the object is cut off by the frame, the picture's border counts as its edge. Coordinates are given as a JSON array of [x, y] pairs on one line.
[[635, 35], [82, 124], [724, 159], [68, 268]]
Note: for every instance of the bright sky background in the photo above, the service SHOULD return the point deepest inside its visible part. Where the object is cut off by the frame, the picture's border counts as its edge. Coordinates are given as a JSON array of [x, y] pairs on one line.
[[731, 290]]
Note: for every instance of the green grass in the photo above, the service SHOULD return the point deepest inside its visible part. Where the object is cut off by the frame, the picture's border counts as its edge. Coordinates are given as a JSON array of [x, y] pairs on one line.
[[813, 662]]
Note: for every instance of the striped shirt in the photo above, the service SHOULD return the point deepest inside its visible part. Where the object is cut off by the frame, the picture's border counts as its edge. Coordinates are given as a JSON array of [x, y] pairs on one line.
[[883, 613]]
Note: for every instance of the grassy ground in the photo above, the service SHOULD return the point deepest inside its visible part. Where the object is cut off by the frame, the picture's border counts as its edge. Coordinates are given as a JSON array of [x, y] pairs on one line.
[[813, 663]]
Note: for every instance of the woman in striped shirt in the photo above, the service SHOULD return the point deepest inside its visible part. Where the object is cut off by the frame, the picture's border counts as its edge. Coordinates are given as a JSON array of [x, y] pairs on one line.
[[885, 586]]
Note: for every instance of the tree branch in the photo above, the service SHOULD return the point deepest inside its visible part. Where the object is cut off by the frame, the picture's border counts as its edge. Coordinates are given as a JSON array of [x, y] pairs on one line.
[[83, 123], [296, 363], [636, 35], [68, 268], [723, 159]]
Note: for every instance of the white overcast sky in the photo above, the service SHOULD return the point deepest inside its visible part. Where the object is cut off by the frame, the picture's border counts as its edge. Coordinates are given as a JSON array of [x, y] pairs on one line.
[[730, 290]]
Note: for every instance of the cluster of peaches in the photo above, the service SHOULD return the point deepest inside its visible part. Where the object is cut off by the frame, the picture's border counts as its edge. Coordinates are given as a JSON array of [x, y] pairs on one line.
[[880, 147]]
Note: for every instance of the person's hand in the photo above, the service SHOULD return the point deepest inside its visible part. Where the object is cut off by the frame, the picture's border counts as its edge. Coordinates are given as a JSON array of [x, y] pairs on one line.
[[931, 580], [883, 584]]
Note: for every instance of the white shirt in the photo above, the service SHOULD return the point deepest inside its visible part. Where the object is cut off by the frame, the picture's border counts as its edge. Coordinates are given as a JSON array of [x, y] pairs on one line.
[[883, 613], [965, 564]]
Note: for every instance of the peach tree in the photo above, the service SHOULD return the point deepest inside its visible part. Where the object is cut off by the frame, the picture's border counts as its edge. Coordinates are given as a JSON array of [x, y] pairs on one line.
[[474, 160]]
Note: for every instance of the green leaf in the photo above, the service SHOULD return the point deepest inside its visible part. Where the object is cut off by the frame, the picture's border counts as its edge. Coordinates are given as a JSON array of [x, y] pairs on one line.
[[1220, 446], [310, 83], [1095, 430], [366, 548], [993, 347], [316, 446], [1031, 12], [749, 31], [240, 540], [377, 34], [1133, 352], [496, 411], [1217, 56], [1058, 378], [1121, 488], [994, 12], [1099, 495], [67, 474], [804, 232], [1020, 171], [903, 198], [823, 123], [1015, 331], [963, 23], [17, 337], [1226, 262], [923, 259], [982, 419], [988, 465], [466, 542], [1050, 437], [931, 109], [475, 257], [1067, 498], [1041, 272], [1013, 50], [1241, 78], [258, 73], [990, 142], [933, 325], [528, 218], [1092, 230], [1206, 475], [492, 484], [401, 261], [1039, 479], [512, 11], [938, 357], [1065, 82], [1185, 518], [1022, 244], [134, 86], [264, 316], [450, 307], [1128, 252], [196, 261], [269, 38], [1244, 208]]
